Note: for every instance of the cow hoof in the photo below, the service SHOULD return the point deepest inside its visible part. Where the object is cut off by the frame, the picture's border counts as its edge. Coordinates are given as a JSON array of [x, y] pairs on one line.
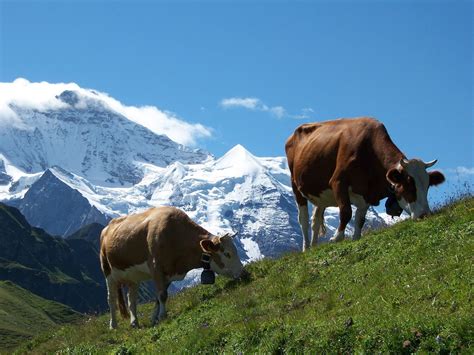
[[337, 238], [112, 326], [134, 324]]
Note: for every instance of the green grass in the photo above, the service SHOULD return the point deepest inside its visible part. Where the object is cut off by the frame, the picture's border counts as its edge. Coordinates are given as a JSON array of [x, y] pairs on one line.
[[57, 276], [23, 315], [404, 289]]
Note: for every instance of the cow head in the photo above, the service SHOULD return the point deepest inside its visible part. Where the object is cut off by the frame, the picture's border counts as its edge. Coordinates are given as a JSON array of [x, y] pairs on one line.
[[411, 181], [224, 257]]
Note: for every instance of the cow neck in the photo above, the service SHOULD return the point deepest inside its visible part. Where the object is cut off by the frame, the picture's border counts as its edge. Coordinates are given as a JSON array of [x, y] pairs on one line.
[[391, 157], [204, 259], [390, 160]]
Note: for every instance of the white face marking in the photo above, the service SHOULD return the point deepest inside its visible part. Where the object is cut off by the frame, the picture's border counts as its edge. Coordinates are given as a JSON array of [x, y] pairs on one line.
[[229, 257], [135, 273], [416, 169]]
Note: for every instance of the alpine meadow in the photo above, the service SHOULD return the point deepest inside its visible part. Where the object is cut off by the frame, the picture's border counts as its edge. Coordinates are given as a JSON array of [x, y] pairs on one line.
[[404, 289], [236, 177]]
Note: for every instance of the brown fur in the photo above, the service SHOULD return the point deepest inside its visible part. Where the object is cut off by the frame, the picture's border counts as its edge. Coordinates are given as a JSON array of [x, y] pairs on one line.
[[339, 154], [162, 244], [164, 237]]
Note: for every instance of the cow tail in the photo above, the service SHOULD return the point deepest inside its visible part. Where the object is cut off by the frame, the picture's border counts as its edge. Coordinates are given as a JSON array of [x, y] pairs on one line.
[[121, 303], [104, 264]]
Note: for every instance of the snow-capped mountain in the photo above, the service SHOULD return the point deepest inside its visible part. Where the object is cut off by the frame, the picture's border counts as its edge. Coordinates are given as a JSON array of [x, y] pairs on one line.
[[82, 134], [236, 193], [78, 147], [58, 208], [4, 177]]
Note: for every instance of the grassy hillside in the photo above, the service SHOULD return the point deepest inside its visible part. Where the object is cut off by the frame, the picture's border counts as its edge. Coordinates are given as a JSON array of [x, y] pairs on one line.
[[404, 289], [23, 314]]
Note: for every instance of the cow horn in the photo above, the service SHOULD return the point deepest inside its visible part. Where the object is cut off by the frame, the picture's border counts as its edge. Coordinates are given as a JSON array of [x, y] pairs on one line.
[[404, 162], [430, 163]]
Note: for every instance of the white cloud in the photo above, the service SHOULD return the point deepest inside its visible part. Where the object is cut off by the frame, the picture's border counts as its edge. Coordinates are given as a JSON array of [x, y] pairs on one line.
[[251, 103], [42, 96], [462, 170], [161, 122], [29, 95], [278, 111], [306, 113], [255, 104]]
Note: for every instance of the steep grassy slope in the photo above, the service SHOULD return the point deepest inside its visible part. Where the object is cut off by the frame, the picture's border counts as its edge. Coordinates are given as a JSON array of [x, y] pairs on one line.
[[404, 289], [23, 314]]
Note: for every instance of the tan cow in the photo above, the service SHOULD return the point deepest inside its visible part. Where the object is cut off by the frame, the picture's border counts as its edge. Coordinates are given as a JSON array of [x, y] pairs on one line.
[[162, 244], [353, 161]]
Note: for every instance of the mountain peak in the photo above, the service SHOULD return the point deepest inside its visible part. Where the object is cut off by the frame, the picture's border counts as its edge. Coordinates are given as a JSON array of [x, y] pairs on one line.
[[240, 161], [69, 97], [239, 152], [89, 134]]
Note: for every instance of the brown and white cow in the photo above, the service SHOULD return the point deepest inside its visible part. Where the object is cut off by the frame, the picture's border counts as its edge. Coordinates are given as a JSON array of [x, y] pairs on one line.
[[161, 244], [352, 161]]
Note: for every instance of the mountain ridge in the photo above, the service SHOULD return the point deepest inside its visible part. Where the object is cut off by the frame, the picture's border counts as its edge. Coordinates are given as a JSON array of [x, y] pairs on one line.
[[106, 165], [48, 266], [107, 146]]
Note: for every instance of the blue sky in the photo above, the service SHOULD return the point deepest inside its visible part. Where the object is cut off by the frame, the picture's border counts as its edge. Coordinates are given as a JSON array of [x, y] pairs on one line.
[[408, 63]]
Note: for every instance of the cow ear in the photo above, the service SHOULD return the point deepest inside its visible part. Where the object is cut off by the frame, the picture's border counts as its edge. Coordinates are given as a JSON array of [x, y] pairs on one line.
[[208, 246], [394, 176], [436, 178]]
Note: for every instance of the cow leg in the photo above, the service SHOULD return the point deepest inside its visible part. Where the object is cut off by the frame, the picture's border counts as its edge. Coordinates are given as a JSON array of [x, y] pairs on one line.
[[163, 297], [341, 194], [303, 215], [112, 294], [132, 304], [156, 310], [161, 285], [317, 221], [359, 221], [160, 307], [303, 219]]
